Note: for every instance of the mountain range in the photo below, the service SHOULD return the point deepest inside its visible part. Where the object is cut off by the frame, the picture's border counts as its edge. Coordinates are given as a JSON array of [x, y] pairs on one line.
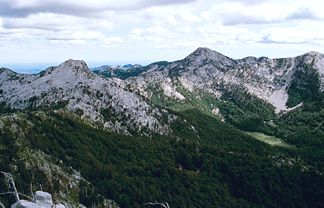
[[204, 131]]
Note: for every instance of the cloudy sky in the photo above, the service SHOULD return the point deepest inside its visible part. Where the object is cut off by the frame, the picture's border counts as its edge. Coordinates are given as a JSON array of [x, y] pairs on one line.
[[39, 32]]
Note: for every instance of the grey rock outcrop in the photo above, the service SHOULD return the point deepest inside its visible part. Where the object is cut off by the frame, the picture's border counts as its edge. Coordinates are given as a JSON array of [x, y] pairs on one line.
[[74, 87], [208, 71], [41, 200]]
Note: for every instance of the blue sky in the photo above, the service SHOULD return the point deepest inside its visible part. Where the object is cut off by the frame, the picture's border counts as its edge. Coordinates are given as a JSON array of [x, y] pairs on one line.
[[37, 33]]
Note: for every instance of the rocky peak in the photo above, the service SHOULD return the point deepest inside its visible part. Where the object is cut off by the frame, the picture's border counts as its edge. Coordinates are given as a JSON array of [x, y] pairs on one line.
[[7, 71], [204, 52], [313, 53], [314, 59], [75, 65], [68, 68], [76, 89], [207, 53], [208, 70], [309, 56], [249, 59], [202, 56]]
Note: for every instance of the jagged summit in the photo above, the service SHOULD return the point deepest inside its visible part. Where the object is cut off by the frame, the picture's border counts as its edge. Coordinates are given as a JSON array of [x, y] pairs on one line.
[[249, 59], [206, 53], [203, 69], [77, 65], [6, 70], [253, 60], [212, 54], [73, 62], [313, 53], [210, 71], [202, 56], [75, 88], [204, 50], [69, 66]]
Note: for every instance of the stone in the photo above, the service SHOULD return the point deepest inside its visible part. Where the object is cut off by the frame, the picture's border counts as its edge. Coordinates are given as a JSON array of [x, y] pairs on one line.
[[43, 198], [25, 204]]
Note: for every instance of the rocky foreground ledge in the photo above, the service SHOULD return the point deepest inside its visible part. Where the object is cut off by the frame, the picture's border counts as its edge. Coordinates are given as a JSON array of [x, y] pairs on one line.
[[40, 200]]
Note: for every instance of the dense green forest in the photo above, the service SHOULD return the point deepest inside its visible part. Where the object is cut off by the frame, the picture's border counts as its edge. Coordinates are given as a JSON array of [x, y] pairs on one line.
[[206, 163]]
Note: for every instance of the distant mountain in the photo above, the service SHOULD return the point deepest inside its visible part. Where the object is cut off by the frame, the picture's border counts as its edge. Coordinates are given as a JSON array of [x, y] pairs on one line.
[[273, 85], [74, 87], [134, 103], [203, 131], [121, 72], [283, 82], [126, 71]]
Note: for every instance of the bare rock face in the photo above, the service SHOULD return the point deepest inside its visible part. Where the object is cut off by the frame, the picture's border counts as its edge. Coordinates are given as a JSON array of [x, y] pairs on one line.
[[40, 200], [74, 87], [211, 72], [124, 106]]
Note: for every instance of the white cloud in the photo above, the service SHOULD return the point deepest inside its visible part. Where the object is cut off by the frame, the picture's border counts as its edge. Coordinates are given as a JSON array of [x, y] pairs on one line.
[[85, 37], [217, 33], [159, 25], [181, 17], [56, 28], [156, 33], [182, 44], [294, 35], [112, 41], [56, 22], [248, 2], [233, 13], [23, 8]]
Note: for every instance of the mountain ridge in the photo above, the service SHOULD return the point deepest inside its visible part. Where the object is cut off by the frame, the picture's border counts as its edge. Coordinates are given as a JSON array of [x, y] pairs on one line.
[[74, 85], [198, 132], [264, 77], [207, 52]]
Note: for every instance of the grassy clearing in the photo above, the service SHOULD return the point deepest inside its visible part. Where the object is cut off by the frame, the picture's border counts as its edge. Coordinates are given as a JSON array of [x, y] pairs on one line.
[[272, 140]]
